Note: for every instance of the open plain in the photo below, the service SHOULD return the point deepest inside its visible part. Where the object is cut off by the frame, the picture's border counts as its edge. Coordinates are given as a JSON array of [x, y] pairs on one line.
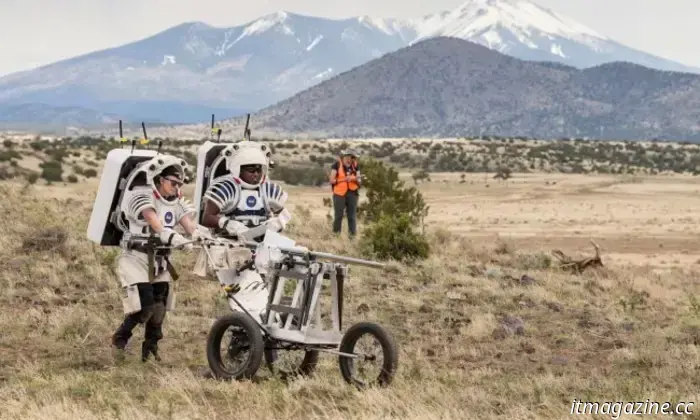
[[488, 326]]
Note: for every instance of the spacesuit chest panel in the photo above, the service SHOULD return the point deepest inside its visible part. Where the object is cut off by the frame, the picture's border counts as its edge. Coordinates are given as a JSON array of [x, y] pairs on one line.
[[250, 208], [167, 214]]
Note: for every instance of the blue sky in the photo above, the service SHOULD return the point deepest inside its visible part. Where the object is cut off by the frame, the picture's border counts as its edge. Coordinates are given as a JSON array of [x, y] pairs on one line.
[[38, 32]]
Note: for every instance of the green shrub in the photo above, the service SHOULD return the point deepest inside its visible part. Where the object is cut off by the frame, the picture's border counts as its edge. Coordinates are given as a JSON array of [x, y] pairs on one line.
[[311, 176], [57, 154], [89, 173], [394, 237], [7, 155], [38, 145], [386, 194], [52, 171], [391, 212], [32, 177]]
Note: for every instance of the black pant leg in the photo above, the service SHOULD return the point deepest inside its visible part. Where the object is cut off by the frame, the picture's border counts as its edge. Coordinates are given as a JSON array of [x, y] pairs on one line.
[[339, 210], [351, 206]]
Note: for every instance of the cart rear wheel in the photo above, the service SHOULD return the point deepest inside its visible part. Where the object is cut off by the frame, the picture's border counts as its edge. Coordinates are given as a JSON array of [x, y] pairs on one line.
[[351, 367], [246, 338]]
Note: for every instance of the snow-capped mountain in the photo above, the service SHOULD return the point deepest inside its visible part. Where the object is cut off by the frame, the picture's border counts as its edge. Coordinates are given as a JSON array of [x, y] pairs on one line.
[[192, 70], [527, 31]]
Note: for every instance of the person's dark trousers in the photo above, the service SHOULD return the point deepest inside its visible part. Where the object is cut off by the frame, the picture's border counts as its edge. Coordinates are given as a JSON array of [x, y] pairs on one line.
[[346, 204], [153, 298]]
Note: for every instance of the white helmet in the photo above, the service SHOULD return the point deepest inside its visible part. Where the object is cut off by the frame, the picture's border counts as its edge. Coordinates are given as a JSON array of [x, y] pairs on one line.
[[158, 164], [247, 153]]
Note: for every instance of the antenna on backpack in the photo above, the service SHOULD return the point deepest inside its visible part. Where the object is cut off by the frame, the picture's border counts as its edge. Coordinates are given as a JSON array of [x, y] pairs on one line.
[[246, 130], [144, 140], [216, 130], [133, 144], [211, 130], [121, 134]]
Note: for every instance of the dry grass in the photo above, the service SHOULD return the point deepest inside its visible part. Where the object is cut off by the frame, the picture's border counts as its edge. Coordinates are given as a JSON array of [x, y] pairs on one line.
[[626, 332]]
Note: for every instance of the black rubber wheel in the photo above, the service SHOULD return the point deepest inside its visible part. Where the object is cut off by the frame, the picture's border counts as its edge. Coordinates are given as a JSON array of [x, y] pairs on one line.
[[305, 368], [389, 352], [248, 336]]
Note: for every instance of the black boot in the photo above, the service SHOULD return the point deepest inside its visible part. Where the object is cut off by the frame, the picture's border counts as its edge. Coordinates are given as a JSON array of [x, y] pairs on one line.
[[148, 348], [124, 332]]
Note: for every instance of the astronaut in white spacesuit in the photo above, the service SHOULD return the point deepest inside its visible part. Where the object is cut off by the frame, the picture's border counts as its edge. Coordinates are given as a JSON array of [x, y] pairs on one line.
[[244, 198], [154, 206]]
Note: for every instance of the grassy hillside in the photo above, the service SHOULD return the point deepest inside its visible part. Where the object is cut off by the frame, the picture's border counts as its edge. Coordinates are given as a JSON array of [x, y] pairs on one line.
[[488, 326]]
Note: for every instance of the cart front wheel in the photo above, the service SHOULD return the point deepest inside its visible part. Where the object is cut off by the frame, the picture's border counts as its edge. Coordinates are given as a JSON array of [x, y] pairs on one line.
[[244, 350], [385, 358]]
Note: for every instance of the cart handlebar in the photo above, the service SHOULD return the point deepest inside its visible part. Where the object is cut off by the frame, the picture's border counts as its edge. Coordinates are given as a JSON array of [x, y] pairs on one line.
[[155, 242]]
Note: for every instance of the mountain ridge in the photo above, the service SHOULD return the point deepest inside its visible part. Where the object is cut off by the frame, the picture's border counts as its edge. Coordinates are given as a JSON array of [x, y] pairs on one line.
[[448, 87], [188, 71]]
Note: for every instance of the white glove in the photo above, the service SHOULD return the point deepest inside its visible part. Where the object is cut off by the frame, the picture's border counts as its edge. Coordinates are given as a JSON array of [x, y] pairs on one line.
[[279, 222], [233, 227], [175, 239], [201, 232], [275, 224]]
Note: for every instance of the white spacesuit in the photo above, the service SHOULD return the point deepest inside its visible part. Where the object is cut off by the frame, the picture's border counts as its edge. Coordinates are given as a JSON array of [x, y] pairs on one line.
[[244, 198], [154, 205], [238, 202]]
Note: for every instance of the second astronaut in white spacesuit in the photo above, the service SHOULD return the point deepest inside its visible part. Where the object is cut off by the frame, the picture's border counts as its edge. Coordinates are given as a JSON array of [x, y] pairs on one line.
[[245, 198], [154, 206]]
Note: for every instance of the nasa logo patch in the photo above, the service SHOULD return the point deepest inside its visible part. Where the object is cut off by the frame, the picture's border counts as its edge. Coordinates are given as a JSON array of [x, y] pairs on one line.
[[250, 201], [168, 217]]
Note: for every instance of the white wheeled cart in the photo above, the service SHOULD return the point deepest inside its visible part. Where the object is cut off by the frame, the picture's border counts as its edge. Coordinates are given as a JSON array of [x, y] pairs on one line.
[[291, 323]]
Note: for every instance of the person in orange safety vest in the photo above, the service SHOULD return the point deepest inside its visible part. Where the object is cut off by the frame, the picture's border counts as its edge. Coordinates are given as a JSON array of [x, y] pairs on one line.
[[345, 182]]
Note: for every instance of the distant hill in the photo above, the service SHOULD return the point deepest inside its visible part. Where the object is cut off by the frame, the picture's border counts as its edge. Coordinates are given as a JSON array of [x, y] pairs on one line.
[[59, 119], [451, 87]]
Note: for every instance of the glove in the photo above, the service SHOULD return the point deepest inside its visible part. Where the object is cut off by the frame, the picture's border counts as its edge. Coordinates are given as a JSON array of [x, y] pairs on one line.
[[279, 222], [275, 224], [200, 232], [232, 227], [169, 236]]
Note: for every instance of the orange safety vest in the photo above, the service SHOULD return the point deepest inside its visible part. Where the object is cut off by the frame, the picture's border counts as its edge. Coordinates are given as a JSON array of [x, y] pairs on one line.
[[342, 187]]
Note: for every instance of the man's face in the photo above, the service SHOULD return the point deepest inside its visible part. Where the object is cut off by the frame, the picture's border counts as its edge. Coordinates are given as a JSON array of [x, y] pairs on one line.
[[170, 185], [251, 173]]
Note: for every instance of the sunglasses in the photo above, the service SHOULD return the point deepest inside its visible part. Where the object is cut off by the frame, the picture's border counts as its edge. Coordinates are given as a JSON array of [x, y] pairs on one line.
[[175, 182]]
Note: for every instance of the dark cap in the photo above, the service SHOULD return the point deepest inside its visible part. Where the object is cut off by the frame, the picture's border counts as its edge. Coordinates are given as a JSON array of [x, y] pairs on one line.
[[172, 171]]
